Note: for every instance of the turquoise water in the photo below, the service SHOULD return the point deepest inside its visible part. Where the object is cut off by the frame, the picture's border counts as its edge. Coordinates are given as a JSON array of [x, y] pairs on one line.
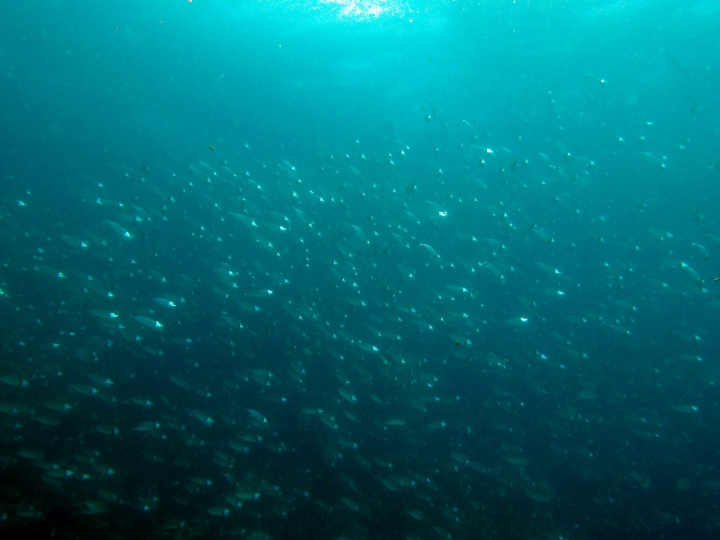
[[359, 269]]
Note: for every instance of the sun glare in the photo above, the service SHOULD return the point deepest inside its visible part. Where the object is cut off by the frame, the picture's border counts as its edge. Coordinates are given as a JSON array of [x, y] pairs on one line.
[[365, 9]]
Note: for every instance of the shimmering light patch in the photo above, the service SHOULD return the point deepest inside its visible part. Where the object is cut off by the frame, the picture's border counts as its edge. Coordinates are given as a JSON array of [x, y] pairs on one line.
[[362, 10]]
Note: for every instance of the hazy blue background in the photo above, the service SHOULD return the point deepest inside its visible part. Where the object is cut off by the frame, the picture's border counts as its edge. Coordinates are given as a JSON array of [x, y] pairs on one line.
[[96, 78]]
